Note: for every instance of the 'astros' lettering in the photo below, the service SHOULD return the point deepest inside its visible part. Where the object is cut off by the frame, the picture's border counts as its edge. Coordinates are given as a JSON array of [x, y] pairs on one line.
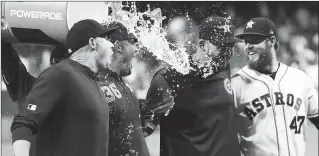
[[259, 104]]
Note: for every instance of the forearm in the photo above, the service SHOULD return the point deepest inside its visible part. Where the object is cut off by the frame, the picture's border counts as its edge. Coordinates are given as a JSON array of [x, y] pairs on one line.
[[9, 60], [21, 148], [16, 78], [315, 121], [147, 119], [159, 102]]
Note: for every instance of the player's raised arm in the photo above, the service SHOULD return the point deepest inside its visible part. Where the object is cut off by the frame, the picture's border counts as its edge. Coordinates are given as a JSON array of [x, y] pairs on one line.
[[43, 97], [16, 78], [158, 102]]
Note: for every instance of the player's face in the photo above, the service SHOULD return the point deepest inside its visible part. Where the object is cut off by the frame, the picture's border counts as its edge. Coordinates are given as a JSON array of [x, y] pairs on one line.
[[104, 52], [123, 56], [258, 51]]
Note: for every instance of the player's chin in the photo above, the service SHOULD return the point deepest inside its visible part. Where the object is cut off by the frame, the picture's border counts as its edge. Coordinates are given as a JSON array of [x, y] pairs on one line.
[[254, 64]]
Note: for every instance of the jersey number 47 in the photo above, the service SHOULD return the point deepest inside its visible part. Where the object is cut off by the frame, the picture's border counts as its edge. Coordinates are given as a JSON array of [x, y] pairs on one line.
[[296, 123]]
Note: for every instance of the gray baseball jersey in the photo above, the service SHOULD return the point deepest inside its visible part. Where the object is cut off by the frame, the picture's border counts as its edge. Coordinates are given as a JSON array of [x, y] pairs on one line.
[[271, 113]]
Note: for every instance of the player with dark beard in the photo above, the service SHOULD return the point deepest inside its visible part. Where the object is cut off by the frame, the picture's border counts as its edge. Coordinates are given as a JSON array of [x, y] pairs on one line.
[[126, 135], [200, 104]]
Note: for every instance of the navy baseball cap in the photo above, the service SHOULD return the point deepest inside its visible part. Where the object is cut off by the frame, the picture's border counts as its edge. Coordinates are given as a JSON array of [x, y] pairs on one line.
[[217, 30], [82, 31], [121, 33], [259, 27]]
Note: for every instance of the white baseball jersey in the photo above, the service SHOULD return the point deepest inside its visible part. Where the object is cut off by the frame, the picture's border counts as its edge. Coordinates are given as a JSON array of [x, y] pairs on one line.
[[271, 114]]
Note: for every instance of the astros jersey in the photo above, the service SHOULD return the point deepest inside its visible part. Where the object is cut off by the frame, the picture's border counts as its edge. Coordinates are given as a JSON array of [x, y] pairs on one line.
[[271, 114], [126, 136]]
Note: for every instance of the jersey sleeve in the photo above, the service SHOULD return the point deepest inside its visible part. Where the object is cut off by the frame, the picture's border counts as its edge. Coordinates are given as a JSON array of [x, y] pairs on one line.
[[16, 78], [235, 84], [312, 96], [240, 122], [45, 95], [158, 102]]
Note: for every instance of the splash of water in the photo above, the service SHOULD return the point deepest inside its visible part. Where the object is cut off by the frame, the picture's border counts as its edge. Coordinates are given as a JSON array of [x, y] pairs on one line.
[[147, 27]]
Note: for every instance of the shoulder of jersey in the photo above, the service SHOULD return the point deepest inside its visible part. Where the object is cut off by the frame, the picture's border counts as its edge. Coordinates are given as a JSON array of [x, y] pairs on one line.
[[166, 72], [240, 77], [61, 69], [296, 72], [54, 69]]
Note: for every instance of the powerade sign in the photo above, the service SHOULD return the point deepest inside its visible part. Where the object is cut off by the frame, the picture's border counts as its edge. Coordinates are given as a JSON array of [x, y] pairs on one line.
[[36, 14]]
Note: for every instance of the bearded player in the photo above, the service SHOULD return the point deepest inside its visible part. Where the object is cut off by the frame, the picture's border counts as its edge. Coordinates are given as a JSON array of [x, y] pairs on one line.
[[273, 100], [126, 134]]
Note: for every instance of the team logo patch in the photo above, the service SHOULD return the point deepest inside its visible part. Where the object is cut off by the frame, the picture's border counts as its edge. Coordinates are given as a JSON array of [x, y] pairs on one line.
[[250, 24], [225, 27], [32, 107], [227, 86]]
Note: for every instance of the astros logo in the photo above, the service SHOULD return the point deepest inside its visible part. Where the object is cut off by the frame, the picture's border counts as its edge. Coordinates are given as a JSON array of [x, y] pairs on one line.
[[227, 86], [250, 24]]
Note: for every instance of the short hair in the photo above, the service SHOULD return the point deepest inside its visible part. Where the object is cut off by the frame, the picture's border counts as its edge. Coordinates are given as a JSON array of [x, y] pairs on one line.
[[276, 44]]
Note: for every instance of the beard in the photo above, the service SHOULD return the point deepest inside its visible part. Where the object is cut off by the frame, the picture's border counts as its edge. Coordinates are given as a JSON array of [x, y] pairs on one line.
[[263, 62]]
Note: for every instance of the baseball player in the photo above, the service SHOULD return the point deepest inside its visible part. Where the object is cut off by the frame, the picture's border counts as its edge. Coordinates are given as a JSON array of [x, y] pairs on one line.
[[66, 109], [199, 123], [273, 100], [126, 135], [16, 77]]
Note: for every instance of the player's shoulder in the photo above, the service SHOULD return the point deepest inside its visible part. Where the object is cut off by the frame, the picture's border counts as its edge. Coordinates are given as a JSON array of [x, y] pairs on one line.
[[240, 77], [166, 72], [57, 71], [296, 73]]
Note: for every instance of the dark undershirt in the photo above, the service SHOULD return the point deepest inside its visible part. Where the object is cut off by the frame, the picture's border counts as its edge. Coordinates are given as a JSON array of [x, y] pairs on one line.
[[273, 74]]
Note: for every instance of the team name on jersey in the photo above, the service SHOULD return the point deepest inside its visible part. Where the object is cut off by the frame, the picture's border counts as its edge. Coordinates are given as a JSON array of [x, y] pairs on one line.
[[260, 103]]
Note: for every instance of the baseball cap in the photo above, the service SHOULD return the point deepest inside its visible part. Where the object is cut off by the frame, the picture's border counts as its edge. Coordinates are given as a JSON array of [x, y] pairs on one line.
[[259, 27], [82, 31], [217, 30], [121, 33]]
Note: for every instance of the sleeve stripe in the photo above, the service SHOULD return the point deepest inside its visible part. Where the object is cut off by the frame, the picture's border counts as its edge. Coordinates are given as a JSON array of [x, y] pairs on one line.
[[312, 115], [310, 97]]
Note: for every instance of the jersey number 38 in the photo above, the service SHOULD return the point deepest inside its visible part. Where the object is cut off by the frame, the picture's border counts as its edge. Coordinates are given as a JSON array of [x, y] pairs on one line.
[[111, 92]]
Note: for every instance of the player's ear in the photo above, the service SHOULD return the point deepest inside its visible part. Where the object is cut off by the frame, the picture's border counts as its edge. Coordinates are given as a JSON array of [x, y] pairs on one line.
[[117, 46], [273, 40], [92, 43]]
